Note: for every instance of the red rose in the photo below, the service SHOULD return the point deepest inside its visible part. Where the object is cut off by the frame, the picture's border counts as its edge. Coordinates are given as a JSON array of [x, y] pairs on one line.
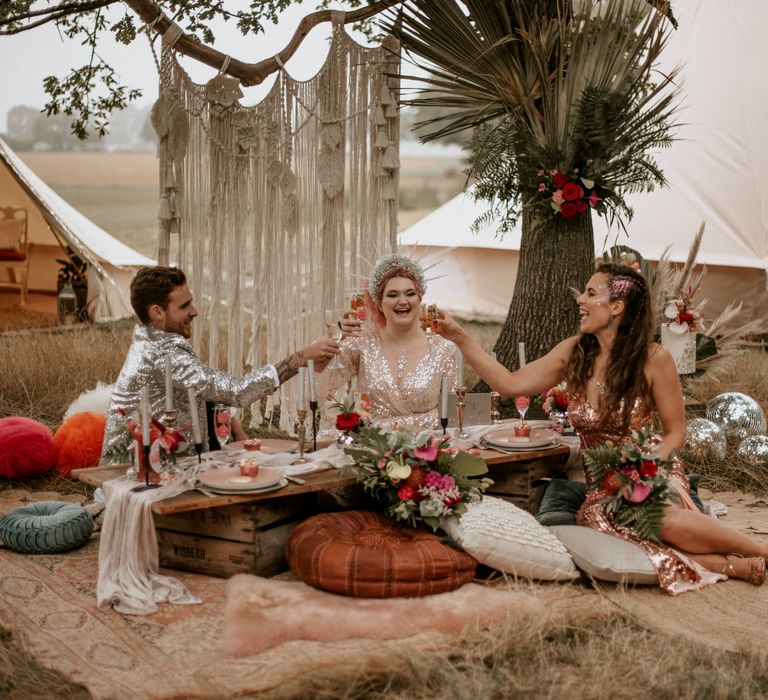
[[416, 478], [572, 191], [648, 469], [406, 493], [347, 421], [561, 401], [559, 180], [685, 317], [612, 483], [569, 209], [581, 205]]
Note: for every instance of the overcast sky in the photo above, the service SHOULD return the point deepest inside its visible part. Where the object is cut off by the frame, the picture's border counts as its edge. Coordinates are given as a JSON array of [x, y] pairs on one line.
[[27, 58]]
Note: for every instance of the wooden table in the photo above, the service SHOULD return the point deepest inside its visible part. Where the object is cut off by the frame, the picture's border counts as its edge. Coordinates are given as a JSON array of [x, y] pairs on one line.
[[232, 534]]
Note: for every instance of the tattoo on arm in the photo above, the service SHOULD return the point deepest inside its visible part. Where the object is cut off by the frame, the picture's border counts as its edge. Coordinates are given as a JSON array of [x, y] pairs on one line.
[[289, 367]]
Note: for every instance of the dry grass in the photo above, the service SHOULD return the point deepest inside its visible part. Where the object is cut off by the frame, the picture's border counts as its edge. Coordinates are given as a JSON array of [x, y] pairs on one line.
[[14, 318]]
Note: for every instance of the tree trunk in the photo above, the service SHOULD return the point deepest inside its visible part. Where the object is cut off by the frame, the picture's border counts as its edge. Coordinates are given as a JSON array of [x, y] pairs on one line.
[[557, 257]]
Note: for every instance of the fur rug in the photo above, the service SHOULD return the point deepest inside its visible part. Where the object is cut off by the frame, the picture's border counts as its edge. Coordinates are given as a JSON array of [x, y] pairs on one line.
[[94, 401], [262, 613]]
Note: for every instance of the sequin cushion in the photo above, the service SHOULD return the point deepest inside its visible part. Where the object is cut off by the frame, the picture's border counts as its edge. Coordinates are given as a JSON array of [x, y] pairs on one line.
[[366, 555], [605, 557], [505, 537]]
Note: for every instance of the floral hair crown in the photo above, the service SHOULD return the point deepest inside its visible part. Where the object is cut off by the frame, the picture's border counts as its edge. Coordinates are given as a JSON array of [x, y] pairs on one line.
[[394, 263], [620, 286]]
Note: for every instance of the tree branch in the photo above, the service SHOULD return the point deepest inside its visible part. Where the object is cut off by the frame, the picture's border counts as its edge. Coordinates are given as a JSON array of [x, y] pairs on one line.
[[250, 73], [52, 14]]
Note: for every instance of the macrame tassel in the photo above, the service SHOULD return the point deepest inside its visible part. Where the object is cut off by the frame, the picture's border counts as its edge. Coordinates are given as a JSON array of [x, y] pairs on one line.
[[391, 111], [170, 178], [391, 159], [385, 97], [378, 116], [382, 138], [164, 212], [388, 190]]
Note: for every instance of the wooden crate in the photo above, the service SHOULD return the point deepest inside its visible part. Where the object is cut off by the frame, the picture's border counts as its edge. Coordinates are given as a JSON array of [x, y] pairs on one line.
[[233, 539], [523, 483]]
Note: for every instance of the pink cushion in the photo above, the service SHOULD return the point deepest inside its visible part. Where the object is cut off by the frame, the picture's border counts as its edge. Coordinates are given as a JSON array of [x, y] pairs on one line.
[[6, 254]]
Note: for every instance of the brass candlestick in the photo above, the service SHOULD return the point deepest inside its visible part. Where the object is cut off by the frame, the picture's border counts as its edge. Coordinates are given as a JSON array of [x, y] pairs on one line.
[[169, 418], [301, 431], [495, 415], [460, 392]]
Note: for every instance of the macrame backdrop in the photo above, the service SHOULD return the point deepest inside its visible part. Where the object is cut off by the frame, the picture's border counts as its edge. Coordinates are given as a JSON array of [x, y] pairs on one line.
[[280, 208]]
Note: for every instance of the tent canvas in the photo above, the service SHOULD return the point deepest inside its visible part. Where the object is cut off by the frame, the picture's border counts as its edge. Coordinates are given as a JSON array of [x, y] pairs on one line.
[[54, 223], [716, 170]]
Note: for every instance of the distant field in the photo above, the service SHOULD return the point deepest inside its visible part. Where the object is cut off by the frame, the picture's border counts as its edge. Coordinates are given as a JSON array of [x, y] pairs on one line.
[[119, 191]]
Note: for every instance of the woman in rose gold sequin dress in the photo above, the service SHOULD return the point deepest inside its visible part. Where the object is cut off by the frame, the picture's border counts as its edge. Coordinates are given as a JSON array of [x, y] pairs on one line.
[[397, 364], [618, 378]]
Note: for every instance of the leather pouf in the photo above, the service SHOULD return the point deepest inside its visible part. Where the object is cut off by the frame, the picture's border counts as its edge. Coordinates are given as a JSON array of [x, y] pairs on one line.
[[366, 555], [46, 527]]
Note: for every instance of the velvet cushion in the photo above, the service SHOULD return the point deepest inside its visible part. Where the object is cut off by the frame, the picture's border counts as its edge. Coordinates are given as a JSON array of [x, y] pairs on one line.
[[505, 537], [46, 527], [562, 500], [6, 254], [11, 231], [606, 557], [366, 555]]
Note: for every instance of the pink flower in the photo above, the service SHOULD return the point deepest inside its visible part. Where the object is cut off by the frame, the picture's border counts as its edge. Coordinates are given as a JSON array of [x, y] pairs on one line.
[[540, 172], [542, 187], [522, 402], [640, 491], [594, 199], [427, 453], [557, 197], [447, 482], [382, 463], [553, 172], [433, 479]]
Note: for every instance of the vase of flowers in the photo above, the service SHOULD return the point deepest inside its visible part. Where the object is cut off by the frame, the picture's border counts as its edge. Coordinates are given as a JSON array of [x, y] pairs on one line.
[[418, 479], [634, 480], [678, 333], [555, 405], [353, 413]]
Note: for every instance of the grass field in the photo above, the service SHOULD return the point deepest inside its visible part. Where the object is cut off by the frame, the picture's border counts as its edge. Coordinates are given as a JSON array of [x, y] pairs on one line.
[[119, 191]]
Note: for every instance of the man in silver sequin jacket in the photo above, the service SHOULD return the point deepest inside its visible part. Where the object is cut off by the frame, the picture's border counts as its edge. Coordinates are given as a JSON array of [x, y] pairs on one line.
[[162, 301]]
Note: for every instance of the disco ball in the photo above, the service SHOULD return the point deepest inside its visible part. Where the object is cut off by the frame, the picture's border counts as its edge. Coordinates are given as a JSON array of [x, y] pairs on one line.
[[704, 441], [738, 414], [754, 450]]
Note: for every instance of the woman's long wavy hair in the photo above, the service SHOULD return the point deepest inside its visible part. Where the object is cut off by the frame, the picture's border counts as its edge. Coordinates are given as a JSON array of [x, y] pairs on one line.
[[624, 380]]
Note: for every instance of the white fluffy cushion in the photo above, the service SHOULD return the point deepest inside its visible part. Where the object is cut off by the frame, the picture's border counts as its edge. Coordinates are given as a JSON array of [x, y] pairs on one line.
[[95, 401], [606, 557], [505, 537]]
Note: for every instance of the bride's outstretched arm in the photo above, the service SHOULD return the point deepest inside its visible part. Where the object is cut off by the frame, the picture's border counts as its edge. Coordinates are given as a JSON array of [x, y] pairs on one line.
[[534, 378]]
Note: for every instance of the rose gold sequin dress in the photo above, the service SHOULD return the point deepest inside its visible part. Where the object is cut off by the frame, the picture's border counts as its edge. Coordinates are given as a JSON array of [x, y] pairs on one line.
[[410, 399], [676, 572]]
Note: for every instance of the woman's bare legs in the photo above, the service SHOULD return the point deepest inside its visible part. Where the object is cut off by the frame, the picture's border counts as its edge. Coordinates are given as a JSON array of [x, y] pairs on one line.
[[751, 569], [696, 533]]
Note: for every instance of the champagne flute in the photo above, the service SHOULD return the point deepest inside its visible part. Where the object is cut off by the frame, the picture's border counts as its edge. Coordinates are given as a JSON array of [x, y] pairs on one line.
[[427, 316], [222, 420], [332, 330]]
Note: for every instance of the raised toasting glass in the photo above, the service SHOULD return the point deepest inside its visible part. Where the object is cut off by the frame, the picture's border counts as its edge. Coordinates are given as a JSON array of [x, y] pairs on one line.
[[222, 417], [332, 329]]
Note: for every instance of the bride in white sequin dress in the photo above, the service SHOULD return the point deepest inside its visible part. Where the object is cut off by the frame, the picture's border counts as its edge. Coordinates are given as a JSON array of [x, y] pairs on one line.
[[397, 364], [618, 377]]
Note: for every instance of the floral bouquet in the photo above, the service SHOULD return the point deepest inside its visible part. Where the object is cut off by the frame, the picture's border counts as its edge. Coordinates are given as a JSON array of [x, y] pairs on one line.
[[418, 478], [570, 194], [635, 481], [353, 411], [556, 399], [682, 315]]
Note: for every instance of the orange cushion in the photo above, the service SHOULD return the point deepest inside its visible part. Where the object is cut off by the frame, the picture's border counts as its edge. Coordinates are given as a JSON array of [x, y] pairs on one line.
[[11, 254], [366, 555]]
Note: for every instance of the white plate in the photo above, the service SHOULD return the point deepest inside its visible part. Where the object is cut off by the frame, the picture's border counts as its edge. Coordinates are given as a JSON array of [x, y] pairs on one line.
[[240, 492], [268, 446], [512, 448], [506, 438], [230, 480]]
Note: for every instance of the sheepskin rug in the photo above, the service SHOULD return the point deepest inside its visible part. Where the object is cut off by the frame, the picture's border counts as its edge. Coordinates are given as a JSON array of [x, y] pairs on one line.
[[262, 613]]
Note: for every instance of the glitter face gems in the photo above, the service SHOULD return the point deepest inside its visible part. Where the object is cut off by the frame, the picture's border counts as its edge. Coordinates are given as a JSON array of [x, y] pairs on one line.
[[595, 304]]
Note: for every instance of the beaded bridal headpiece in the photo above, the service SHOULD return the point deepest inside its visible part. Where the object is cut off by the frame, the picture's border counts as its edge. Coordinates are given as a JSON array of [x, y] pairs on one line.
[[389, 264]]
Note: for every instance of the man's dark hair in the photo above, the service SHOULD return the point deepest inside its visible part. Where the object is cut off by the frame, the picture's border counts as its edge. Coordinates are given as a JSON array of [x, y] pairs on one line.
[[153, 285]]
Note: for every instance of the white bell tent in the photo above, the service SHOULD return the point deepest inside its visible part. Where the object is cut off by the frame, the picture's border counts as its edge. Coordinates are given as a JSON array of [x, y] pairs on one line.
[[716, 172], [53, 224]]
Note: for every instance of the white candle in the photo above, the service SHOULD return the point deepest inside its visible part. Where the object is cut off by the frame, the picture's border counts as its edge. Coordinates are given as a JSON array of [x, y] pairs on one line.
[[144, 404], [444, 398], [168, 384], [459, 369], [301, 388], [521, 354], [197, 438], [312, 385]]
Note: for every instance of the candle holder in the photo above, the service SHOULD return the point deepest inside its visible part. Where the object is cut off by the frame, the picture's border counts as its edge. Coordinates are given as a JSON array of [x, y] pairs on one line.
[[444, 425], [460, 392], [301, 431], [313, 406], [146, 486], [169, 418], [199, 452], [495, 415]]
